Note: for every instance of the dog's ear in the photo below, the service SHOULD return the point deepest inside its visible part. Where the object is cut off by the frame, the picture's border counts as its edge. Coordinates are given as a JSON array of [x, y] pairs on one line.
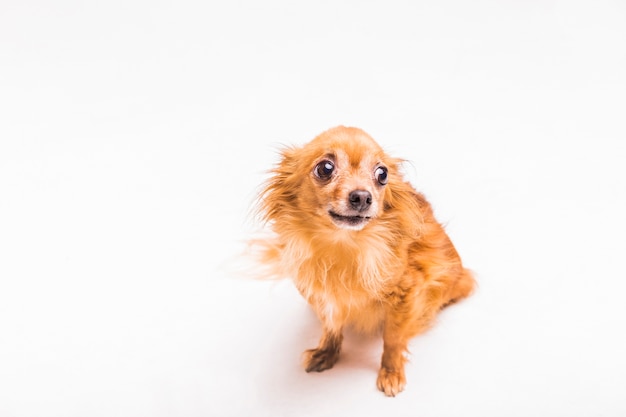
[[401, 198], [280, 188]]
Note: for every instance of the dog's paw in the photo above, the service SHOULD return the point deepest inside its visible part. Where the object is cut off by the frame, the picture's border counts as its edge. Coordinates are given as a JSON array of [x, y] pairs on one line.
[[391, 382], [318, 360]]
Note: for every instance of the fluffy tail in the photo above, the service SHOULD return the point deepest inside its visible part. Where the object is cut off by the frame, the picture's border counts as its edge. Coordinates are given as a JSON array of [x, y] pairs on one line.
[[463, 288]]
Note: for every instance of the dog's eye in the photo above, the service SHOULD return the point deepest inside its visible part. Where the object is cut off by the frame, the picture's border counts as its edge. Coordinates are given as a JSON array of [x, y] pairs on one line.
[[324, 170], [381, 175]]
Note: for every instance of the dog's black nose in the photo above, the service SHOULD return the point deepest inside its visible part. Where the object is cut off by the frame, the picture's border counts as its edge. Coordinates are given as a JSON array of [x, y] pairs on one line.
[[360, 200]]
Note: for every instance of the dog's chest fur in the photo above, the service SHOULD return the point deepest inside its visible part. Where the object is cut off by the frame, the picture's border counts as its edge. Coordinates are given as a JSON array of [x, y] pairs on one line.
[[344, 279]]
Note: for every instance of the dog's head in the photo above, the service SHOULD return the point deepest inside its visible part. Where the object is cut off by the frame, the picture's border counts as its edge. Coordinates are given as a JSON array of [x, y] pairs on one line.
[[340, 179]]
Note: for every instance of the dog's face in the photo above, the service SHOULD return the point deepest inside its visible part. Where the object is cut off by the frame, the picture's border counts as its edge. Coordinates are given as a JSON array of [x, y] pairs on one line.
[[346, 175]]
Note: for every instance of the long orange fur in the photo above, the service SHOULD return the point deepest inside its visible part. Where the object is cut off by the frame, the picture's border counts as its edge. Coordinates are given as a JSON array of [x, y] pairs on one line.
[[392, 272]]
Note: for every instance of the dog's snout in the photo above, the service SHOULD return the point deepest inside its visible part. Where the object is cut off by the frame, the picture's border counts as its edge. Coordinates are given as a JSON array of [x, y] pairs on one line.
[[360, 200]]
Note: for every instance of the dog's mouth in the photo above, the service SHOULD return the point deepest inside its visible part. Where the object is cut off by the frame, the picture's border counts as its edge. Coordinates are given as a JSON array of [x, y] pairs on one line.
[[349, 222]]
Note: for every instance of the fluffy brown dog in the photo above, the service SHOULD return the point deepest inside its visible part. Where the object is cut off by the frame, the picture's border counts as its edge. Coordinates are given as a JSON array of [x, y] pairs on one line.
[[361, 245]]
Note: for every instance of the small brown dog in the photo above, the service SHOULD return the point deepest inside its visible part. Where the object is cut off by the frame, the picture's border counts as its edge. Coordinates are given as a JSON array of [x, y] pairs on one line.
[[361, 245]]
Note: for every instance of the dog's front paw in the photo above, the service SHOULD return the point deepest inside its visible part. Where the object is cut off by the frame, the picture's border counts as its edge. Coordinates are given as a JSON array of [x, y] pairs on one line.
[[391, 382], [318, 360]]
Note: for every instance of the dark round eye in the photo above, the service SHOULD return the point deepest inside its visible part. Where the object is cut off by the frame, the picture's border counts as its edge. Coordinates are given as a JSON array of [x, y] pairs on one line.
[[381, 175], [324, 170]]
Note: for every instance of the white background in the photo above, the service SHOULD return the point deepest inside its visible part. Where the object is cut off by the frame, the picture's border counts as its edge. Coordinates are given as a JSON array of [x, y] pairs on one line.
[[134, 135]]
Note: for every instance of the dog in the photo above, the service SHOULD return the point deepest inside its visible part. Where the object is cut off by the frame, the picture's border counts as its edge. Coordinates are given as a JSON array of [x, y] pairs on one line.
[[361, 245]]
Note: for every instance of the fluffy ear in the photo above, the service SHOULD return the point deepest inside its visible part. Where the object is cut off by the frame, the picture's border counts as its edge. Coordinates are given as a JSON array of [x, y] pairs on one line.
[[280, 188], [402, 200]]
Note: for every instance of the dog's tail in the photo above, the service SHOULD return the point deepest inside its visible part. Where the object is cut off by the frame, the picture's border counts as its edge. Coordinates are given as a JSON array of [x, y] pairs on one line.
[[463, 287]]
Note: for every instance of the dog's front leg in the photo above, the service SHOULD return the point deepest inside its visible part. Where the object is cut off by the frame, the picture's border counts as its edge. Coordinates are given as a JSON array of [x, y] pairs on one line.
[[405, 318], [326, 354], [391, 379]]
